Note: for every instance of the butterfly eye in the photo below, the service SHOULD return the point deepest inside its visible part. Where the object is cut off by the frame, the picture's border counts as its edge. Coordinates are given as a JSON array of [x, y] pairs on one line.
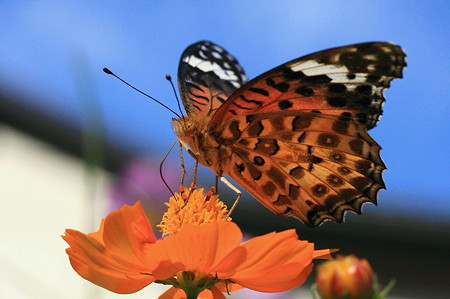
[[191, 127]]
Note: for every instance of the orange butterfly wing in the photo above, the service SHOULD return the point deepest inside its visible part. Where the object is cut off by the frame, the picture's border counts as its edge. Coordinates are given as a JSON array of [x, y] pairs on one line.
[[345, 79], [296, 136]]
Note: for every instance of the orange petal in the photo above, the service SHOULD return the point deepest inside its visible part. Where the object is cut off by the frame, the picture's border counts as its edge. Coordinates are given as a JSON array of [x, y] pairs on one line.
[[271, 250], [229, 264], [279, 280], [111, 263], [173, 293], [163, 268], [275, 262], [213, 293], [90, 262], [98, 235], [324, 254], [197, 248], [127, 231], [228, 287]]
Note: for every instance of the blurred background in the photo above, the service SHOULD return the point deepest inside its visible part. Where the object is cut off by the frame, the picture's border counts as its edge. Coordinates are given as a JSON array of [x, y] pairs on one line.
[[76, 143]]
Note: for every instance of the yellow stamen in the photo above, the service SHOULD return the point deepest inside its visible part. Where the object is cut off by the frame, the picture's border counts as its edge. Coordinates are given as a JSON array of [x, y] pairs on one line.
[[192, 207]]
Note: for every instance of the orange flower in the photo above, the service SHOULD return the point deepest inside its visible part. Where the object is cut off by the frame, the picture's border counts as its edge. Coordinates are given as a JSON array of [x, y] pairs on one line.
[[345, 277], [123, 256]]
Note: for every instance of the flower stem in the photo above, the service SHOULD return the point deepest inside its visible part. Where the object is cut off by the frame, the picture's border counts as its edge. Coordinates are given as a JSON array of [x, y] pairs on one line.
[[191, 293], [383, 293]]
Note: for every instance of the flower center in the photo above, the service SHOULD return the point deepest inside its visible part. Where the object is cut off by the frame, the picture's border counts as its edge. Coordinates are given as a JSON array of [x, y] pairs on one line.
[[192, 207]]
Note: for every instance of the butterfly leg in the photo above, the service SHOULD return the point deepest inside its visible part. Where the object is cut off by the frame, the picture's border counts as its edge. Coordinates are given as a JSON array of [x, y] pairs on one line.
[[235, 189], [191, 188], [193, 155], [194, 177], [217, 184], [183, 168]]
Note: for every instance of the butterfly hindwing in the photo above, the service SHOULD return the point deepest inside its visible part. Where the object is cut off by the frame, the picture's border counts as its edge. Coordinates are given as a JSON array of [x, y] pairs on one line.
[[304, 164], [207, 76]]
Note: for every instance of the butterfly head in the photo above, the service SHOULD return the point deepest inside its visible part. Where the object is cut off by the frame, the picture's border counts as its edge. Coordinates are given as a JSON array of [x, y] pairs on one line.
[[184, 127], [192, 130]]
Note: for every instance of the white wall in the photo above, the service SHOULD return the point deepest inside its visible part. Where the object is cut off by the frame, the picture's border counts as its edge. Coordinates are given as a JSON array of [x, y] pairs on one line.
[[43, 192]]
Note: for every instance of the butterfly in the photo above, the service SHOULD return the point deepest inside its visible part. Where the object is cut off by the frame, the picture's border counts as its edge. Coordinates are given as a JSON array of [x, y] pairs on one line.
[[296, 136]]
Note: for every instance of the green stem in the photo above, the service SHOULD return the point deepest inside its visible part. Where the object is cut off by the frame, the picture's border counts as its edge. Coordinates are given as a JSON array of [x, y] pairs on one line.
[[383, 293], [314, 292], [192, 293]]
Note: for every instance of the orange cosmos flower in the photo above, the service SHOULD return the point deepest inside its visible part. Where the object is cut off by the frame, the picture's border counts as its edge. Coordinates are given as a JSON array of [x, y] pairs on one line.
[[202, 258]]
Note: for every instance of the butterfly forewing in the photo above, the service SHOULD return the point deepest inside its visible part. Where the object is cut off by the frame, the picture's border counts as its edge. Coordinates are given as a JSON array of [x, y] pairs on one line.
[[296, 137], [207, 76], [346, 81]]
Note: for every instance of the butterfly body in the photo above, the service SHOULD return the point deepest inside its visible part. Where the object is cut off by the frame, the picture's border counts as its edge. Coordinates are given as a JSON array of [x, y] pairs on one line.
[[296, 136]]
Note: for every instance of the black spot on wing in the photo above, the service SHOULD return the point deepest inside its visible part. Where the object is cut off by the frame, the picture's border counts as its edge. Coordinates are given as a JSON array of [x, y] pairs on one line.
[[222, 100], [305, 91], [267, 146], [318, 79], [260, 91], [289, 74], [315, 159], [257, 103], [258, 160], [300, 123], [255, 129], [249, 118], [240, 167], [337, 88], [282, 86], [285, 104], [345, 116], [301, 138], [364, 89], [339, 101]]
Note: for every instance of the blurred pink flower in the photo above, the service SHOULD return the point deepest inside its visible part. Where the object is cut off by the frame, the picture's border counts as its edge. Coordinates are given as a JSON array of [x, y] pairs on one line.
[[140, 180]]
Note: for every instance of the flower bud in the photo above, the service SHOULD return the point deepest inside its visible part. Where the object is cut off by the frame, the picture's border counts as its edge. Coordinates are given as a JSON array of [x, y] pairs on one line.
[[345, 277]]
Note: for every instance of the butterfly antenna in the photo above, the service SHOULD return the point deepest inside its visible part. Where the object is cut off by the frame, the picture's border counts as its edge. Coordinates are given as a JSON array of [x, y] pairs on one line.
[[169, 78], [106, 70]]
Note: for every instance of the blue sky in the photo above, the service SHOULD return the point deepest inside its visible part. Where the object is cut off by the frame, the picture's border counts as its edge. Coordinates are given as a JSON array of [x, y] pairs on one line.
[[51, 48]]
